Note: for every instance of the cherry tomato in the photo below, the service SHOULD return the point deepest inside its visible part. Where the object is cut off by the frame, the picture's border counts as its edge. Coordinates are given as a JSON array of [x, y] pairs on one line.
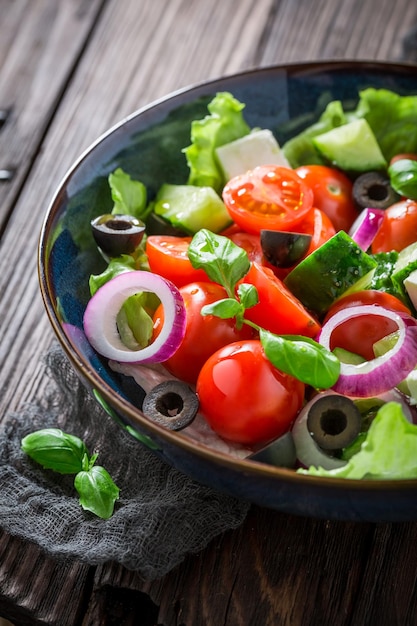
[[167, 256], [269, 196], [407, 155], [360, 333], [249, 242], [332, 193], [244, 397], [319, 226], [203, 334], [398, 228], [278, 310]]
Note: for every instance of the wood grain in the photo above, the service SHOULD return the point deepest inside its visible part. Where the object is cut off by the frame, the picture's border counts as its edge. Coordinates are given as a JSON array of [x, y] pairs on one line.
[[68, 71]]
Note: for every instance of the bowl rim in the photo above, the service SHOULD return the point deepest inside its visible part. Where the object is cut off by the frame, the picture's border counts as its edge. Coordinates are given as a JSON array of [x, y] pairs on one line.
[[134, 415]]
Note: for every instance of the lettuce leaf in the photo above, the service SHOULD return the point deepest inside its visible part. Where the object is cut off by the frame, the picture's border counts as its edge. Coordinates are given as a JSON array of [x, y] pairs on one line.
[[388, 452], [129, 196], [392, 118], [224, 124]]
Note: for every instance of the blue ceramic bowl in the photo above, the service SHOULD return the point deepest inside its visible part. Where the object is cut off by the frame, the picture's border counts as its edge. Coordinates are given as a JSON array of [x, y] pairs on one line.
[[147, 145]]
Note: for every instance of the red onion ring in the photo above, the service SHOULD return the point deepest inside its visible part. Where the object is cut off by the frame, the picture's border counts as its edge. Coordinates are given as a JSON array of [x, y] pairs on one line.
[[102, 309], [384, 372], [366, 226]]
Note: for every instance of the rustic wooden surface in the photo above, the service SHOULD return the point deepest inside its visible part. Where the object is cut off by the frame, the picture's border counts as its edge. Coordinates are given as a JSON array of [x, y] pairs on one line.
[[69, 69]]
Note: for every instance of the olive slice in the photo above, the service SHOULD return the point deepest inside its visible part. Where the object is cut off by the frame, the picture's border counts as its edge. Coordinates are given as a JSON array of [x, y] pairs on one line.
[[284, 249], [334, 421], [117, 234], [373, 190], [172, 404], [280, 452]]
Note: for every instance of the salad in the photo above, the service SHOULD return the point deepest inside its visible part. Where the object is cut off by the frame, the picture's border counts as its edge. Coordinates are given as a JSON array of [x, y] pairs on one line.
[[269, 302]]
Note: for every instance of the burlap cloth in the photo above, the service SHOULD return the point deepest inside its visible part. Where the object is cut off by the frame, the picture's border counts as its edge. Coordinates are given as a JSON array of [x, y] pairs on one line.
[[160, 517]]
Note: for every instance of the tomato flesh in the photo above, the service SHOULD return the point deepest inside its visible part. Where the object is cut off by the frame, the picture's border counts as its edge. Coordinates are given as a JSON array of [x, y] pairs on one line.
[[398, 229], [167, 256], [267, 197], [244, 397], [203, 334], [278, 310], [332, 191], [359, 334]]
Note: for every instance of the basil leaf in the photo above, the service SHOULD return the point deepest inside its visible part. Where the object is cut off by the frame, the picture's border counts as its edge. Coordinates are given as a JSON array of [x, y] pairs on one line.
[[225, 309], [55, 450], [222, 260], [301, 357], [97, 491], [403, 177], [248, 295]]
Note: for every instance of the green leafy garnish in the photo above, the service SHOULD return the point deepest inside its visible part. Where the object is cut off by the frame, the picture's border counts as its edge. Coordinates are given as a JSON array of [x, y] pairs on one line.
[[388, 452], [67, 454], [224, 124], [129, 196], [403, 177], [227, 264]]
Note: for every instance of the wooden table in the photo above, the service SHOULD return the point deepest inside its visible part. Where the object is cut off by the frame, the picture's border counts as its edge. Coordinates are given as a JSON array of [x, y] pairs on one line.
[[69, 69]]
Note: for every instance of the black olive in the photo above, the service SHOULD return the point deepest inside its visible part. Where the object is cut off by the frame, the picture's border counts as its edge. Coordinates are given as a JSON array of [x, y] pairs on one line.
[[284, 249], [334, 421], [280, 452], [172, 404], [117, 234], [373, 190]]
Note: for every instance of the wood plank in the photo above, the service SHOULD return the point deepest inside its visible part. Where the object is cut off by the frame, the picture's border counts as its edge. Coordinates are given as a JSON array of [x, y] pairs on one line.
[[140, 51], [40, 44]]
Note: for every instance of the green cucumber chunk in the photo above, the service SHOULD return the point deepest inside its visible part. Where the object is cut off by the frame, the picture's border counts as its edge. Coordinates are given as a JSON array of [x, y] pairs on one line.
[[351, 147], [191, 208], [329, 272]]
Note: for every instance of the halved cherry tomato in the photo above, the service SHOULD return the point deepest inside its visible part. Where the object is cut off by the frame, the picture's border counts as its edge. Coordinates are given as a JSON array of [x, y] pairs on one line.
[[250, 243], [244, 397], [319, 226], [167, 256], [359, 334], [332, 193], [203, 334], [278, 310], [398, 229], [269, 197]]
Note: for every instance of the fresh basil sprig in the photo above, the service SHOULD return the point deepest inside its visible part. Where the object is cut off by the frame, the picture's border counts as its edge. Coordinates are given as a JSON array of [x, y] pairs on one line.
[[66, 454], [403, 177], [226, 263]]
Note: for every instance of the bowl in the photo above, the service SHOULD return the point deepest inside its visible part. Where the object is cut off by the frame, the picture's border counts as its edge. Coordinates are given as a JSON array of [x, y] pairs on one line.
[[147, 145]]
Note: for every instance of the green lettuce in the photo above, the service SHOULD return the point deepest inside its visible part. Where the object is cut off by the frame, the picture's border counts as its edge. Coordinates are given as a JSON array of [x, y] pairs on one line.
[[388, 452], [129, 196], [224, 124], [392, 118]]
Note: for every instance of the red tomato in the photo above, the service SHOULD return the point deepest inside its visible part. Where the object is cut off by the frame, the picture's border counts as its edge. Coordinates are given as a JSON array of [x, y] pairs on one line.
[[332, 193], [360, 333], [249, 242], [319, 226], [203, 334], [407, 155], [278, 310], [268, 196], [244, 397], [398, 229], [167, 256]]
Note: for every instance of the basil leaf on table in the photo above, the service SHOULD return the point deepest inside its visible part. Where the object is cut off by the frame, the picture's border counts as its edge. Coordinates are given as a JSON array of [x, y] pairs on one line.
[[97, 491], [55, 450], [67, 454]]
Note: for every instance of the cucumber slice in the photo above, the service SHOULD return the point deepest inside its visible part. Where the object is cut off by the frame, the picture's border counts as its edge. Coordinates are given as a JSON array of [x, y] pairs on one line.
[[258, 148], [191, 208], [351, 147], [329, 272]]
